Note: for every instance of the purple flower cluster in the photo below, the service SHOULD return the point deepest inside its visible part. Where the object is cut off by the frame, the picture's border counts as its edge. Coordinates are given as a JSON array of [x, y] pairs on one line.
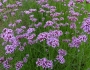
[[51, 37], [7, 34], [25, 59], [62, 52], [44, 63], [2, 59], [30, 30], [42, 36], [77, 41], [48, 23], [73, 26], [83, 38], [60, 56], [19, 30], [46, 16], [18, 21], [72, 18], [80, 1], [20, 64], [71, 3], [86, 25], [6, 64], [29, 11], [87, 1], [54, 42], [55, 33], [32, 18], [10, 48]]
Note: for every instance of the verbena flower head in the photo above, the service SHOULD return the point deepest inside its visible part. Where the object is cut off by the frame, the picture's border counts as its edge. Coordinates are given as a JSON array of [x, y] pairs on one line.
[[42, 36], [6, 64], [55, 33], [18, 21], [86, 25], [19, 65], [1, 4], [80, 1], [48, 23], [54, 42], [60, 59], [30, 30], [87, 1], [2, 59], [4, 1], [45, 63], [75, 42], [62, 52], [73, 26], [9, 48], [83, 38], [71, 3]]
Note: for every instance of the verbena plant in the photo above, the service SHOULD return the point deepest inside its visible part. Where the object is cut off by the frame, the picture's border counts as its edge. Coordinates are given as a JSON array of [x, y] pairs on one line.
[[44, 35]]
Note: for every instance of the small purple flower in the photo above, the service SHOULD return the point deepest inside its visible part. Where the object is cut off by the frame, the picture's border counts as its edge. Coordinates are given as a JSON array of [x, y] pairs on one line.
[[62, 52], [25, 60], [27, 12], [1, 4], [86, 25], [6, 64], [27, 55], [48, 23], [60, 58], [19, 65], [44, 63], [12, 13], [83, 38], [30, 30], [9, 49], [23, 27], [54, 42], [87, 1], [56, 33], [18, 21], [2, 59], [75, 42], [80, 1], [4, 1], [42, 36], [21, 48], [73, 26], [19, 30], [71, 3]]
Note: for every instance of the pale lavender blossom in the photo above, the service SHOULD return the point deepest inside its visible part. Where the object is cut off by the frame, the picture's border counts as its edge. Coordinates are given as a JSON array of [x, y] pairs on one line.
[[48, 23], [62, 52], [54, 42], [86, 25], [45, 63], [4, 1], [1, 4], [6, 64], [2, 59], [9, 49], [60, 59], [82, 38], [18, 21], [42, 36], [87, 1], [19, 65]]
